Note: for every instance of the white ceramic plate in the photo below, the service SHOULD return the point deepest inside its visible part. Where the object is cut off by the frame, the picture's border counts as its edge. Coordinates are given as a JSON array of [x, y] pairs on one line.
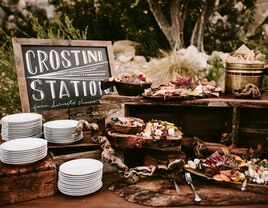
[[23, 144], [13, 138], [22, 118], [79, 185], [61, 124], [80, 192], [23, 162], [81, 177], [81, 166]]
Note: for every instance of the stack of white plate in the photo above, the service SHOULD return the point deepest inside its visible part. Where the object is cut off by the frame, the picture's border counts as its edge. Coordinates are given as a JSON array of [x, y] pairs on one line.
[[61, 131], [21, 125], [80, 177], [23, 151]]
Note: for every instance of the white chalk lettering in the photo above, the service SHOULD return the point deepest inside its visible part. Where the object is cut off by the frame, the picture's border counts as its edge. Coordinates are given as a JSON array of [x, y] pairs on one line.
[[66, 63], [84, 88], [63, 90], [75, 84], [54, 59], [84, 54], [52, 88], [92, 88], [41, 61], [76, 56], [42, 58], [34, 86], [28, 62]]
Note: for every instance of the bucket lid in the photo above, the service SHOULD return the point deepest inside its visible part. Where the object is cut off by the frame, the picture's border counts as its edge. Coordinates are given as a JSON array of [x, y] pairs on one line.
[[245, 66]]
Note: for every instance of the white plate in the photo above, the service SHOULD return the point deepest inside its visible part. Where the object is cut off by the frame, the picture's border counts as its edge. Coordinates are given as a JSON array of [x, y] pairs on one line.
[[20, 160], [25, 151], [61, 124], [23, 155], [21, 135], [23, 144], [79, 185], [24, 162], [80, 182], [66, 141], [81, 166], [81, 177], [80, 193], [79, 188], [68, 180], [22, 124], [22, 118], [13, 138]]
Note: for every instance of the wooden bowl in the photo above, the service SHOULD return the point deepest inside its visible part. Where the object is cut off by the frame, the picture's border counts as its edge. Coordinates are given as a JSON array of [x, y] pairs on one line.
[[128, 89], [123, 125]]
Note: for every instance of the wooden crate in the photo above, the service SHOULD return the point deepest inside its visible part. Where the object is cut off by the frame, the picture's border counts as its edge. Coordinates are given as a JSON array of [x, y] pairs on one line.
[[253, 127], [27, 182], [85, 148], [61, 155]]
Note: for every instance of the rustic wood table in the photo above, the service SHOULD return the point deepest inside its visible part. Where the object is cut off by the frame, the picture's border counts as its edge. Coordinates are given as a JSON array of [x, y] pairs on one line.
[[101, 199]]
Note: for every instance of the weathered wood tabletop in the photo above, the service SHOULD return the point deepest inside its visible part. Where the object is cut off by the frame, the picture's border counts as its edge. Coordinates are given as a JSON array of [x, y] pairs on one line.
[[101, 199]]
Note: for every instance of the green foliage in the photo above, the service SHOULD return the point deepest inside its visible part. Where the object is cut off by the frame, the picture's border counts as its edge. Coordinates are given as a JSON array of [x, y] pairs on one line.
[[226, 34], [59, 30], [216, 70], [9, 96]]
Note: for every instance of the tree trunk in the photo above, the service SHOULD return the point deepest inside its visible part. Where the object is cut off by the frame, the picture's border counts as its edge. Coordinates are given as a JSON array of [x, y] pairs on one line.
[[199, 28], [172, 30]]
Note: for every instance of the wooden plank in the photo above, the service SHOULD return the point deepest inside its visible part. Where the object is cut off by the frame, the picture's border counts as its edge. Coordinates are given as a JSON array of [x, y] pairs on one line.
[[223, 101], [21, 76]]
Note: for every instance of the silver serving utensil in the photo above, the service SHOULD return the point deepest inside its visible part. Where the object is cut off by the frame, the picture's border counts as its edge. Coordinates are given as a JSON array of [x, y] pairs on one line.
[[244, 184], [177, 188], [189, 180]]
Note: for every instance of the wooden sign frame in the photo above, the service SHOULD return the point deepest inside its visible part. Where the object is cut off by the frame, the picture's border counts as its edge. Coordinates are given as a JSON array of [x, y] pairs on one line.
[[21, 43]]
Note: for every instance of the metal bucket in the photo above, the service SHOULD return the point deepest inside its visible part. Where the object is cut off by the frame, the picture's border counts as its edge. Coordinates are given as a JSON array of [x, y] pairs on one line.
[[239, 75]]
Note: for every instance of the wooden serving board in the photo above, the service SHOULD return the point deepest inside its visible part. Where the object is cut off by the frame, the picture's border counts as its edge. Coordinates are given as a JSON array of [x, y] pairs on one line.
[[158, 192], [251, 187], [176, 98], [125, 141]]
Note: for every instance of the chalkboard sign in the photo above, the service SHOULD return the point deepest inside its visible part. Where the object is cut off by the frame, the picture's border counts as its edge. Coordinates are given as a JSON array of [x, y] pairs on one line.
[[54, 74]]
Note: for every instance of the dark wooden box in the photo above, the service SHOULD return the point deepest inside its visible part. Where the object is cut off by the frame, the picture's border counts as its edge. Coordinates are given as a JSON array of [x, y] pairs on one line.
[[27, 182], [64, 154], [253, 127]]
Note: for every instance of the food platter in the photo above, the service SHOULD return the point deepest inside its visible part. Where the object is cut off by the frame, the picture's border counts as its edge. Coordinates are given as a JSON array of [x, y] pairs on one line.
[[251, 187], [127, 125], [175, 98]]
